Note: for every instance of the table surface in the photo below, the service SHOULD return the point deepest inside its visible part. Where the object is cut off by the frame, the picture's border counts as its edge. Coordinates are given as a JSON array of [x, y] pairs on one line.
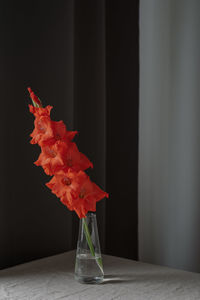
[[53, 278]]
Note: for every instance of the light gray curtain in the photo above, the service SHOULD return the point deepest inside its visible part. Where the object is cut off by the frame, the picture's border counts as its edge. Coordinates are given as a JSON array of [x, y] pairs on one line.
[[169, 146]]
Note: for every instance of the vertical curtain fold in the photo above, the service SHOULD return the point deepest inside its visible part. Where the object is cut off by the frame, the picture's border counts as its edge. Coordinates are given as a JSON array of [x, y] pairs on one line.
[[169, 166], [89, 92], [122, 100]]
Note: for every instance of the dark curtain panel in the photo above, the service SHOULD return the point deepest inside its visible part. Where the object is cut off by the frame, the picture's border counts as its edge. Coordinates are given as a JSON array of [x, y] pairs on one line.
[[90, 93], [122, 73], [82, 58]]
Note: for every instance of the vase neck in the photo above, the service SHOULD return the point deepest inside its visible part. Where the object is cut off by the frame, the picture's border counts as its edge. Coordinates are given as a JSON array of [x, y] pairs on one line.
[[91, 215]]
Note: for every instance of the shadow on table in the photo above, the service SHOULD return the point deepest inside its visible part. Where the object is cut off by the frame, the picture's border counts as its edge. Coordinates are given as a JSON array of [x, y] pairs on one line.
[[118, 279], [173, 276]]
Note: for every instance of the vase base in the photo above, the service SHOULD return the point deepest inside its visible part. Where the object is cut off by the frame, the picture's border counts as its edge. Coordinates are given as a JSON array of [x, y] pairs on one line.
[[89, 280]]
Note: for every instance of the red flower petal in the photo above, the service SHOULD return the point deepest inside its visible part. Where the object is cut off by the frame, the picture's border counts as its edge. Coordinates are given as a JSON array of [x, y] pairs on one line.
[[51, 158], [76, 191], [43, 130], [47, 131], [76, 160]]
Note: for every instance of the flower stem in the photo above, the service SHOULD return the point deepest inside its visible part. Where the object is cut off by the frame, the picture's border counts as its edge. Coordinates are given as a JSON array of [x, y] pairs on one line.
[[89, 241]]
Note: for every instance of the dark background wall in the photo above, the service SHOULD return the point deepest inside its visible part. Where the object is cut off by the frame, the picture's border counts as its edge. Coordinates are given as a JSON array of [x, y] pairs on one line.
[[82, 58], [36, 49]]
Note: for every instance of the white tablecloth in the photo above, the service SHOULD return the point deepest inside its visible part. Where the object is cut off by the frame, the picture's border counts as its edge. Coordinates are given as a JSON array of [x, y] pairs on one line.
[[53, 278]]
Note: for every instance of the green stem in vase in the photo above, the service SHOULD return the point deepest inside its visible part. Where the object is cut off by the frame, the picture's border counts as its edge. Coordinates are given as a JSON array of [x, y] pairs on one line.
[[89, 241]]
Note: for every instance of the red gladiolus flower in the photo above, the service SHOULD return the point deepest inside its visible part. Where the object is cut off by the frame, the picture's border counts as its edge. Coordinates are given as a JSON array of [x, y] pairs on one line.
[[61, 133], [64, 156], [40, 111], [63, 182], [43, 130], [51, 158], [76, 160], [47, 132], [61, 159], [76, 191]]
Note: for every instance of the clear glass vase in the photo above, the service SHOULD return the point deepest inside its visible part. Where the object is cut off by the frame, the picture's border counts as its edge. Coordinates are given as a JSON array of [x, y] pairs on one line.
[[88, 267]]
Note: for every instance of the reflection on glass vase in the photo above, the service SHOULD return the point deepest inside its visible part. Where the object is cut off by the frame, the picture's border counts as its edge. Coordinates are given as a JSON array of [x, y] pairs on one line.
[[88, 267]]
